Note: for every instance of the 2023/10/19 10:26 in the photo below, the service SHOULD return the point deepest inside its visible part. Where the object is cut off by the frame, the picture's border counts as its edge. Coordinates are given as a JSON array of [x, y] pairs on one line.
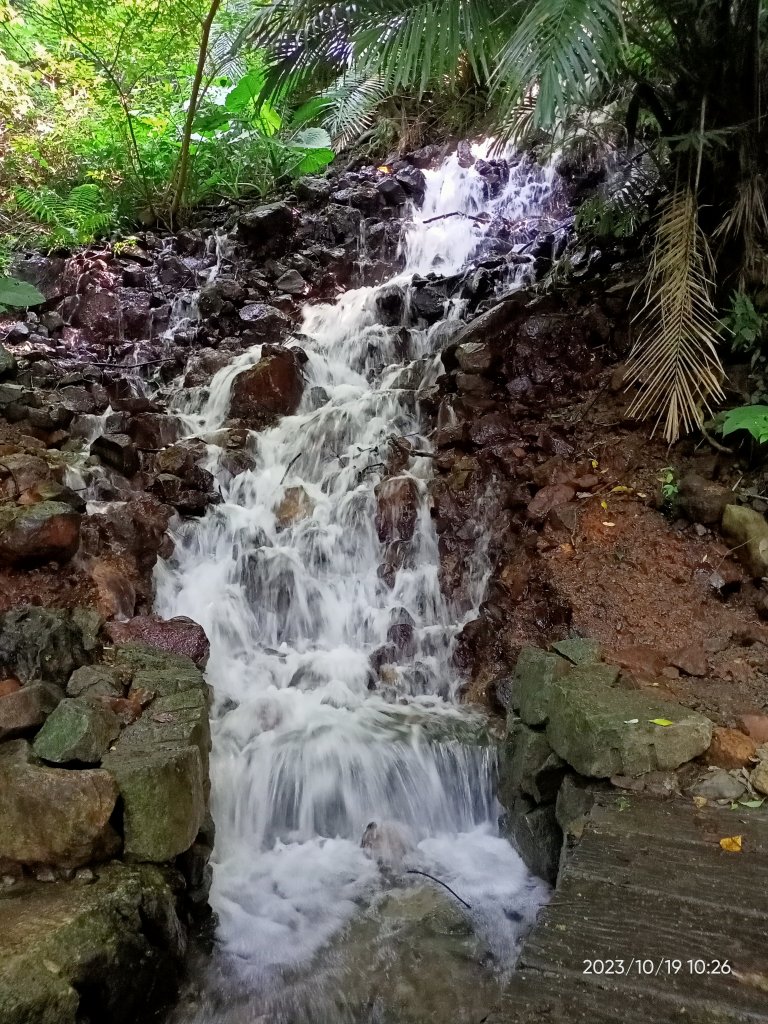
[[651, 967]]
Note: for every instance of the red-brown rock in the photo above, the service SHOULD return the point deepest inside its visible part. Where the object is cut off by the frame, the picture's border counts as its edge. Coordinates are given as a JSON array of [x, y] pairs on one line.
[[47, 531], [755, 726], [548, 498], [177, 636], [397, 511], [8, 686], [730, 748], [268, 390]]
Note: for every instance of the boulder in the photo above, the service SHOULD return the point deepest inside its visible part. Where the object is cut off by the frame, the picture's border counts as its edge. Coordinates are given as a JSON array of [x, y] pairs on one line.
[[270, 389], [427, 304], [157, 671], [172, 721], [163, 798], [719, 785], [46, 644], [536, 835], [474, 357], [755, 726], [747, 531], [759, 778], [529, 766], [701, 500], [264, 323], [397, 508], [21, 471], [730, 749], [265, 223], [180, 636], [51, 815], [603, 731], [76, 730], [598, 728], [189, 501], [25, 709], [44, 532], [312, 190], [94, 681], [295, 505], [291, 282], [117, 451], [110, 950]]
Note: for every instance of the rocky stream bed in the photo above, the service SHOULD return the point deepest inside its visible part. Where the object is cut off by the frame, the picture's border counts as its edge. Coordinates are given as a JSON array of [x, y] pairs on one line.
[[336, 480]]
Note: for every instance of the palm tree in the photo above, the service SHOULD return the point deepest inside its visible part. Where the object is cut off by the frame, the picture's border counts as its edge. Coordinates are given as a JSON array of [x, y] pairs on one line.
[[689, 76]]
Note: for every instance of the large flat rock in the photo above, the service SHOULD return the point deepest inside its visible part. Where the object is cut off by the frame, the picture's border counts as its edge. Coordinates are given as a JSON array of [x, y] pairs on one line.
[[104, 951], [649, 882]]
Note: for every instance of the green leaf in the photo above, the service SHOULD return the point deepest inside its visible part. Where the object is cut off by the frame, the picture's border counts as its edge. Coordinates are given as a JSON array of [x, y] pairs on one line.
[[245, 92], [752, 418], [660, 721], [313, 138], [313, 160], [18, 293]]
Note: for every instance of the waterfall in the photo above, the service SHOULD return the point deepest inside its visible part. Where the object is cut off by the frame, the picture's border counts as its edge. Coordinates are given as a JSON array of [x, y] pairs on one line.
[[309, 745]]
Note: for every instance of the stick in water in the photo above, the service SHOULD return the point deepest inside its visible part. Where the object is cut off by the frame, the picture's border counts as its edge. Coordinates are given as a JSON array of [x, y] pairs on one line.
[[413, 871]]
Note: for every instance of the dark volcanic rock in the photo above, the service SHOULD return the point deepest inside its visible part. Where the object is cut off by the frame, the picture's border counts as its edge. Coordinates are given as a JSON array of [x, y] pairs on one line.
[[265, 223], [118, 451], [268, 390], [264, 323], [397, 508]]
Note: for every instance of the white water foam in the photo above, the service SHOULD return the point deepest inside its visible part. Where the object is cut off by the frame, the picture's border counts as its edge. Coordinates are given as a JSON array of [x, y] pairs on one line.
[[305, 752]]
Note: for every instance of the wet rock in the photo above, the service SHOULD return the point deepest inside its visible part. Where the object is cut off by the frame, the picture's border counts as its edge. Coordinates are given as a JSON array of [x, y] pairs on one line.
[[578, 650], [291, 282], [719, 785], [295, 505], [51, 815], [95, 681], [413, 182], [730, 748], [268, 390], [529, 766], [402, 637], [135, 530], [536, 835], [76, 730], [218, 294], [151, 430], [755, 726], [362, 197], [189, 501], [343, 221], [390, 305], [46, 531], [474, 357], [117, 451], [265, 223], [702, 501], [47, 645], [25, 709], [427, 304], [50, 490], [392, 191], [265, 323], [312, 190], [397, 508], [163, 798], [21, 472], [747, 532], [106, 946], [179, 635]]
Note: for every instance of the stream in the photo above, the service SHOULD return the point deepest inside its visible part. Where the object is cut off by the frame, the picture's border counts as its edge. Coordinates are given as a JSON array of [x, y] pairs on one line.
[[336, 789]]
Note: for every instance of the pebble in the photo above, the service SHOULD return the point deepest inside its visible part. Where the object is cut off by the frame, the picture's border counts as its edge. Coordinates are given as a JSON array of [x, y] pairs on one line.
[[719, 785]]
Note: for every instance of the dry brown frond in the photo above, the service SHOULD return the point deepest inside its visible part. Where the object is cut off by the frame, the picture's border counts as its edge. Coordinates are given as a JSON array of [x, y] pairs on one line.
[[675, 359], [748, 218]]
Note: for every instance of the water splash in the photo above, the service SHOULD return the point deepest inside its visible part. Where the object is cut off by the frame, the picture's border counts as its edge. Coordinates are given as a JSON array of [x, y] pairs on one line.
[[309, 746]]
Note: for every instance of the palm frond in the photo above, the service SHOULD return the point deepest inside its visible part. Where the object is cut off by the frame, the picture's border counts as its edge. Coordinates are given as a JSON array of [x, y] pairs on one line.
[[351, 103], [558, 49], [675, 359], [747, 220]]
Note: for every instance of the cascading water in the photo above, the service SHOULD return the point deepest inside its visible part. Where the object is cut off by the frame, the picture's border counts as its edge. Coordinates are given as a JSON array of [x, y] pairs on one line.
[[309, 745]]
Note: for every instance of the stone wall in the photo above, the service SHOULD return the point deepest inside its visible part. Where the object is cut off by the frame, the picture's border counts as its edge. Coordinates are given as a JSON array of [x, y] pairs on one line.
[[104, 827]]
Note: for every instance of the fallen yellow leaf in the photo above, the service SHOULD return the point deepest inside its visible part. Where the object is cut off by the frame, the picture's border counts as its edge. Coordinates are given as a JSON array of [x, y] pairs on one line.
[[660, 721], [731, 844], [700, 801], [604, 505], [620, 489], [594, 463]]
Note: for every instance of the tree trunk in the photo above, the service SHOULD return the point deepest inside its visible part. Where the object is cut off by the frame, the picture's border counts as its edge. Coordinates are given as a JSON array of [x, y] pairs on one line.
[[183, 164]]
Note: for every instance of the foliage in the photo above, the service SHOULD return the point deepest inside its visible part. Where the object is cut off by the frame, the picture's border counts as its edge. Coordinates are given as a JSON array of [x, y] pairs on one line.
[[670, 487], [72, 219], [744, 325], [18, 294], [752, 418]]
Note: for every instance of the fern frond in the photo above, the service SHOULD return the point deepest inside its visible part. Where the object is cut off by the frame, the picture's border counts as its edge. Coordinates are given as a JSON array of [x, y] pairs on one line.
[[675, 359]]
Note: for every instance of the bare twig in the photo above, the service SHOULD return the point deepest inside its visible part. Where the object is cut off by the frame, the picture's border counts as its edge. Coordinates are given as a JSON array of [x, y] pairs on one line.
[[426, 874]]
